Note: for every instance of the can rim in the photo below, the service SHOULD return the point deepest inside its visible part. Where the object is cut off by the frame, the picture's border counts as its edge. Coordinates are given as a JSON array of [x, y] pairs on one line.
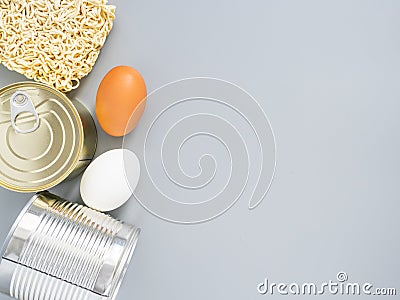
[[125, 261], [74, 161], [15, 225]]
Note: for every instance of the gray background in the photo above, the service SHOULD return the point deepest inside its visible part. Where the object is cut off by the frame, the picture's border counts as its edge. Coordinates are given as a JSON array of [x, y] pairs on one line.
[[327, 74]]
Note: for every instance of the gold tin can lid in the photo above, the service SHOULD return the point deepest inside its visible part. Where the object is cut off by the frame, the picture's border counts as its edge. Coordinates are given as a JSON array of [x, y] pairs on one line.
[[41, 137]]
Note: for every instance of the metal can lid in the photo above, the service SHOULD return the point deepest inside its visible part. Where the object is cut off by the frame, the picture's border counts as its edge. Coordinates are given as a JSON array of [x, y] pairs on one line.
[[42, 137]]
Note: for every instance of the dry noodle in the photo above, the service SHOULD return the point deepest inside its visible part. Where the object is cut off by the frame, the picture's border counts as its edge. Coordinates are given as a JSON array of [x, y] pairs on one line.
[[53, 41]]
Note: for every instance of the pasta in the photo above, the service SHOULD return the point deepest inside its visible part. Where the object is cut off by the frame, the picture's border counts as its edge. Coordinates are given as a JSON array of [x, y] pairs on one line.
[[53, 41]]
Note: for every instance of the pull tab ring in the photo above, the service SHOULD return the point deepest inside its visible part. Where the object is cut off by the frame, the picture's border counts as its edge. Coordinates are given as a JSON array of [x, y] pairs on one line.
[[21, 102]]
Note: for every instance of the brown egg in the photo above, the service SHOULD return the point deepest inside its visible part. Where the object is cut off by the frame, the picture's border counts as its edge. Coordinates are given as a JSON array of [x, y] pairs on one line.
[[120, 100]]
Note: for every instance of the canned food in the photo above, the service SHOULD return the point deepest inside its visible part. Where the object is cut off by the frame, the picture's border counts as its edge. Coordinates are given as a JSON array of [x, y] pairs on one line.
[[46, 137], [58, 250]]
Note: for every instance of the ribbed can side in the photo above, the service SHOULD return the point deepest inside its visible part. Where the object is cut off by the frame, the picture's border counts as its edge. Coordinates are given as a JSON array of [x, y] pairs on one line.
[[29, 284], [70, 243]]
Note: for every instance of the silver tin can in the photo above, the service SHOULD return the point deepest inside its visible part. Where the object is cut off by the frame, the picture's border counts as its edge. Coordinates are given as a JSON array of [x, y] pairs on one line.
[[58, 250]]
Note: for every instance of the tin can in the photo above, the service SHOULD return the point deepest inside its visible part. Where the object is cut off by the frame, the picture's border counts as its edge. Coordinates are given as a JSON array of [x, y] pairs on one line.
[[58, 250], [45, 137]]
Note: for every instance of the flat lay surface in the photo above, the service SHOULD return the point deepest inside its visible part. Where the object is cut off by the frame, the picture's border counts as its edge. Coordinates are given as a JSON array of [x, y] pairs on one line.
[[326, 73]]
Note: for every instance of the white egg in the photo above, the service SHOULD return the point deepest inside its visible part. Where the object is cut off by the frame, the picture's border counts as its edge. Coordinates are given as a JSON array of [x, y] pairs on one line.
[[105, 184]]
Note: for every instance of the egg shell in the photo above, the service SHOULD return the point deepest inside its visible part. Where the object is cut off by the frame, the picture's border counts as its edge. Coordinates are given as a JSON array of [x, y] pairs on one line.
[[120, 100], [105, 185]]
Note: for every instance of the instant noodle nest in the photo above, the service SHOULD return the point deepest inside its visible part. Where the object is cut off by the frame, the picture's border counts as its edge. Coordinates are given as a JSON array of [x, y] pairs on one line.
[[56, 42]]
